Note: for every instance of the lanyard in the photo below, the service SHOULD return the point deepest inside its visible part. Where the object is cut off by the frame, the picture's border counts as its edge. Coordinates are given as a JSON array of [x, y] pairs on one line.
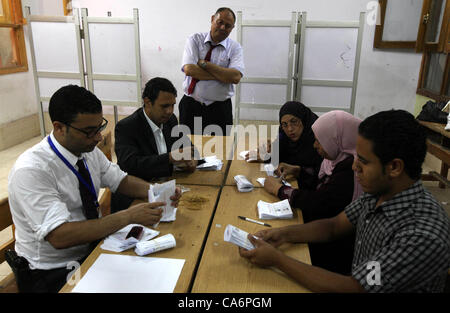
[[90, 186]]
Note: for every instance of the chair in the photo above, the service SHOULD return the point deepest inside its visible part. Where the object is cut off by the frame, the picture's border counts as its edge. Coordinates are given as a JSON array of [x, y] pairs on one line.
[[8, 282]]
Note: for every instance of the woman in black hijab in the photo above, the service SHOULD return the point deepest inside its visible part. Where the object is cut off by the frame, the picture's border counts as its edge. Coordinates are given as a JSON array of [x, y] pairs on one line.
[[297, 155]]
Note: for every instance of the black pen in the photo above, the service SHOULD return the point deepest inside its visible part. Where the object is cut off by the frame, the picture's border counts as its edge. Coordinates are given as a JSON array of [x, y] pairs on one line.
[[253, 221]]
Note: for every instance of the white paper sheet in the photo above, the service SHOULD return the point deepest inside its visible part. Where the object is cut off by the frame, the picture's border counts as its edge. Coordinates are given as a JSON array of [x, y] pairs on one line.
[[117, 242], [243, 184], [277, 210], [237, 237], [162, 193], [112, 273], [212, 163]]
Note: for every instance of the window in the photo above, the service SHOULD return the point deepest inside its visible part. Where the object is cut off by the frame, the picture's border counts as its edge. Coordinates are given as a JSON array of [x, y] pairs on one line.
[[434, 76], [13, 56], [420, 25]]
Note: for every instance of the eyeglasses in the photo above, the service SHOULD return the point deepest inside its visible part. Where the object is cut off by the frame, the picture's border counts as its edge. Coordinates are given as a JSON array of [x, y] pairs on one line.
[[92, 133], [293, 122]]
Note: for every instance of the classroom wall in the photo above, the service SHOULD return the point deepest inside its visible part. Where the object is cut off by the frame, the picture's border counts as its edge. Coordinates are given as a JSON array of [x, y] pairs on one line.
[[387, 79]]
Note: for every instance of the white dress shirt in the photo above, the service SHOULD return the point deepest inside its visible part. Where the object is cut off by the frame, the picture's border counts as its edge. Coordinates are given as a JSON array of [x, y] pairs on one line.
[[158, 134], [229, 54], [43, 194]]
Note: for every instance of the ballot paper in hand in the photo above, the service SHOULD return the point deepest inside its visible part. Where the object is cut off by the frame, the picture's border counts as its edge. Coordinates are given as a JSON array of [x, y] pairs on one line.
[[124, 239], [238, 237], [252, 155], [243, 184], [162, 193], [270, 169], [277, 210], [212, 163], [155, 245]]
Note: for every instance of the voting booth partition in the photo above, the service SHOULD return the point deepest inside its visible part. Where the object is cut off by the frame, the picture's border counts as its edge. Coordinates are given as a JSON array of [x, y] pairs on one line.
[[101, 54]]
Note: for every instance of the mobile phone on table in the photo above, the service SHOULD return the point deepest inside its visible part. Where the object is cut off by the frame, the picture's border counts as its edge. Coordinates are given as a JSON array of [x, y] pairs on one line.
[[136, 232]]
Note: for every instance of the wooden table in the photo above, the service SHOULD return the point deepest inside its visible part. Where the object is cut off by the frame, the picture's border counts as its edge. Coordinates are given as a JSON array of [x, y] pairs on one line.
[[252, 171], [222, 269], [220, 146], [438, 144], [189, 230]]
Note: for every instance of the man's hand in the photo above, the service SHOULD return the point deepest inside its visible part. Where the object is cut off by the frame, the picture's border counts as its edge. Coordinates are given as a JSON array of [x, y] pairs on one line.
[[176, 197], [272, 185], [264, 254], [145, 213], [275, 236]]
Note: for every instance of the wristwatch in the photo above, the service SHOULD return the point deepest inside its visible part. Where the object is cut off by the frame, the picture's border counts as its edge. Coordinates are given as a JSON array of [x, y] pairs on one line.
[[202, 64]]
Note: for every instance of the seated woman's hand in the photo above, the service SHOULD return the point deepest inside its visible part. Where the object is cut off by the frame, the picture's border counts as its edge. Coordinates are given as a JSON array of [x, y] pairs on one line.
[[272, 185], [284, 170]]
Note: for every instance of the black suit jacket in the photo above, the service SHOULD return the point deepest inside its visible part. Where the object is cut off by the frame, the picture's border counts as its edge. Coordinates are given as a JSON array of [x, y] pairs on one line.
[[137, 153]]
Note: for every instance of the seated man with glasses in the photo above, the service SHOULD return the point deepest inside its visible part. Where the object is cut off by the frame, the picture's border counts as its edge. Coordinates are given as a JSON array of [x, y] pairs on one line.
[[53, 190]]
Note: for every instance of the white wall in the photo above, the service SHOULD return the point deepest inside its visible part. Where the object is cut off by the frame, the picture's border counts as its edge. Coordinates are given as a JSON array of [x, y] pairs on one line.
[[387, 79]]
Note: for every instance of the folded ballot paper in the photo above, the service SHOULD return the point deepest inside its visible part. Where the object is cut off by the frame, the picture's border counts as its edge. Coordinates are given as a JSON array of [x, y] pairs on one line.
[[252, 155], [128, 237], [211, 163], [277, 210], [162, 193], [243, 184], [155, 245], [237, 237]]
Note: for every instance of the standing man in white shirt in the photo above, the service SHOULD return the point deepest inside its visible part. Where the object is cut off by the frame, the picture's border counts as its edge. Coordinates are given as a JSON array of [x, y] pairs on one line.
[[212, 63], [53, 189]]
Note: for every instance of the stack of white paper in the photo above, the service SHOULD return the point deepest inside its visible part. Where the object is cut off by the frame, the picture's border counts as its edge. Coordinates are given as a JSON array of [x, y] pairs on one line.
[[243, 184], [118, 242], [162, 193], [253, 155], [269, 168], [113, 273], [238, 237], [212, 163], [262, 180], [277, 210], [155, 245]]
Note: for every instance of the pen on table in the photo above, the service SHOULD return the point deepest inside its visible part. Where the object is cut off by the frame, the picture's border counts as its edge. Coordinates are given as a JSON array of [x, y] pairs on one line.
[[253, 221]]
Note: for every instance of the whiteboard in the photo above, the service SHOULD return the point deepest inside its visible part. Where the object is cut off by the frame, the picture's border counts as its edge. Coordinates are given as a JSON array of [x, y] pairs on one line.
[[321, 96], [263, 93], [55, 47], [263, 58], [329, 53], [112, 48], [401, 21]]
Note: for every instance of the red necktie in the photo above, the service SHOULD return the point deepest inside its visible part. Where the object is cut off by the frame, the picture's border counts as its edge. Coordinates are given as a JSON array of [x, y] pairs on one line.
[[194, 80]]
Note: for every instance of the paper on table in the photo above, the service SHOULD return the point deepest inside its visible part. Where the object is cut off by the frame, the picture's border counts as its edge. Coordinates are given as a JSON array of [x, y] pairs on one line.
[[113, 273], [117, 242], [261, 180], [253, 155], [277, 210], [270, 169], [155, 245], [238, 237], [243, 184], [212, 163], [162, 193]]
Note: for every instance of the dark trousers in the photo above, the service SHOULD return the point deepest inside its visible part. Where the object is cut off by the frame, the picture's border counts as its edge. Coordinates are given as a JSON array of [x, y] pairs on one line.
[[37, 280], [218, 113]]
